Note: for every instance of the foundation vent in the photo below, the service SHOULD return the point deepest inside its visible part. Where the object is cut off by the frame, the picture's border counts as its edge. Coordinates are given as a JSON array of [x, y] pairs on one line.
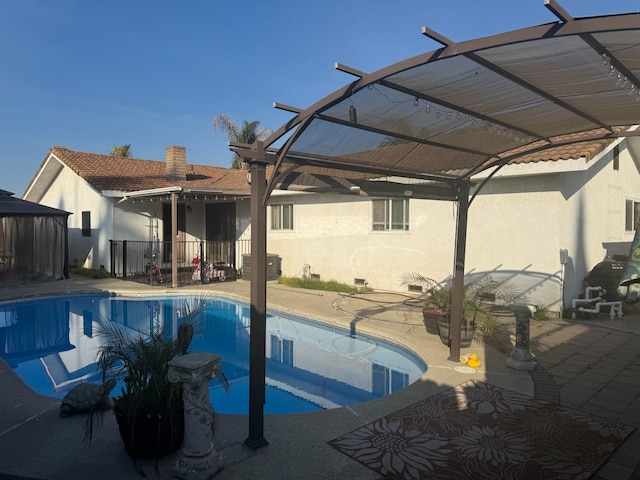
[[414, 288], [361, 282]]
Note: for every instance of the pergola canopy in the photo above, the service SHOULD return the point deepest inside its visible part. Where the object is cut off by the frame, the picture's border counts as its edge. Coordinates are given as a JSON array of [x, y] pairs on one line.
[[435, 120], [466, 107]]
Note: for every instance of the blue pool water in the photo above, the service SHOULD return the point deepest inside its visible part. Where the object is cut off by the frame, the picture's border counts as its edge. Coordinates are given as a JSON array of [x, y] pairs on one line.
[[52, 344]]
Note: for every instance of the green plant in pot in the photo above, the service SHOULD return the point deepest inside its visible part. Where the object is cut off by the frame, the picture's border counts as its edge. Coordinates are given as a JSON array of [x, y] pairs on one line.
[[483, 302], [149, 409], [435, 299]]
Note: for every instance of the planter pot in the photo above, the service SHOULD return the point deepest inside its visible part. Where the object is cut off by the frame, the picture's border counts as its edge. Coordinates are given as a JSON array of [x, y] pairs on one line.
[[150, 436], [430, 318], [466, 334]]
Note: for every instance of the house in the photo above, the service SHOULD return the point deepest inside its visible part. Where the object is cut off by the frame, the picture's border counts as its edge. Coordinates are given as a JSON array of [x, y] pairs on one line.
[[541, 223], [147, 203]]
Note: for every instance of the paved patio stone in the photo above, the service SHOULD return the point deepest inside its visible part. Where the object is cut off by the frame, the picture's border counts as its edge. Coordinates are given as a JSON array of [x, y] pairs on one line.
[[600, 411], [627, 454], [608, 403], [585, 366], [624, 387]]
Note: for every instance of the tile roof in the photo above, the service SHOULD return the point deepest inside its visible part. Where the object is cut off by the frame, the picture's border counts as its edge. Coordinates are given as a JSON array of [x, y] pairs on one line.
[[588, 149], [105, 172]]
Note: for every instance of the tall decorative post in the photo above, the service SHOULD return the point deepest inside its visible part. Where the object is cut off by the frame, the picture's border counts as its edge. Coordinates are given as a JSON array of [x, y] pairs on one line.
[[199, 460], [521, 357]]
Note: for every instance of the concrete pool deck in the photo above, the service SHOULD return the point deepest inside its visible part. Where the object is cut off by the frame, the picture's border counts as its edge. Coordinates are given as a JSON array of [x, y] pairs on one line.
[[592, 366]]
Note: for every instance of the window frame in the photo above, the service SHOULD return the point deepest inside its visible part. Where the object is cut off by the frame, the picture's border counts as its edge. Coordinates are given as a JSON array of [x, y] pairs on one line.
[[282, 217], [384, 215], [86, 223], [631, 214]]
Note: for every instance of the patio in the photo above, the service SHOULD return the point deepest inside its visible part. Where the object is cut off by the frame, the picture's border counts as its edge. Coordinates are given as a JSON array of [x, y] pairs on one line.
[[589, 366]]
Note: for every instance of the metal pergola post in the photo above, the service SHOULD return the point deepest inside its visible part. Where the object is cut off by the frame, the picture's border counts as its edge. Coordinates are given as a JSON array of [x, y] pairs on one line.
[[258, 331], [457, 300], [174, 238]]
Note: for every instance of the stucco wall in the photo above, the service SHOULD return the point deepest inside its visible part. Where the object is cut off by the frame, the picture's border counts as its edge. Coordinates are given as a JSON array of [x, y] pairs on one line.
[[517, 226], [333, 235], [72, 194]]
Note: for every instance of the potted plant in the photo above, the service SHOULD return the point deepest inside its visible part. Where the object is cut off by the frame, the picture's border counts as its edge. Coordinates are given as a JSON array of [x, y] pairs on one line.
[[435, 298], [149, 409], [482, 303]]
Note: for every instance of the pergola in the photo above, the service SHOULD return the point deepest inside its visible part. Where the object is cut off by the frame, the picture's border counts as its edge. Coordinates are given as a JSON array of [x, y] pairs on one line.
[[424, 126]]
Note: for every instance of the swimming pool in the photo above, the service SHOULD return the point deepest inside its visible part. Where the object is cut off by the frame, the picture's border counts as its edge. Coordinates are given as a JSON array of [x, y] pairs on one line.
[[52, 344]]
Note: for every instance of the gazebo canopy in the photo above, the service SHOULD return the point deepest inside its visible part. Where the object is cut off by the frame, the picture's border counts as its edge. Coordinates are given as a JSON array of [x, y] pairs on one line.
[[442, 116], [16, 207], [33, 240]]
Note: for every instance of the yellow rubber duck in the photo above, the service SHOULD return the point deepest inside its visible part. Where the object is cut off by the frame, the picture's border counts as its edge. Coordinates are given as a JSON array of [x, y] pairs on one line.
[[474, 361]]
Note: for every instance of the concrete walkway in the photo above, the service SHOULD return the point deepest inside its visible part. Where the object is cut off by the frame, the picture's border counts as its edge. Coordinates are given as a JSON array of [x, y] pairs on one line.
[[591, 366]]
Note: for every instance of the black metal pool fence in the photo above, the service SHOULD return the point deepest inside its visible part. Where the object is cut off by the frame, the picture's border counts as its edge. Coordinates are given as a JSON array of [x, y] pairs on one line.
[[197, 261]]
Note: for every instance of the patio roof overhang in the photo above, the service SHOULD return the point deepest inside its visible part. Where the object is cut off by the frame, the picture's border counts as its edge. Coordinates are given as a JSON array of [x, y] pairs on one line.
[[183, 193], [439, 118]]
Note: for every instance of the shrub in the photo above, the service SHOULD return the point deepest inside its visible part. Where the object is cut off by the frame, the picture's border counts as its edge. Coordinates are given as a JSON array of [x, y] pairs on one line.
[[317, 284], [90, 272]]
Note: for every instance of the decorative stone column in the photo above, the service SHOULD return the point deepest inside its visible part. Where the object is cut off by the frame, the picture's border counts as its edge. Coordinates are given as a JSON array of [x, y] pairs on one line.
[[521, 357], [199, 461]]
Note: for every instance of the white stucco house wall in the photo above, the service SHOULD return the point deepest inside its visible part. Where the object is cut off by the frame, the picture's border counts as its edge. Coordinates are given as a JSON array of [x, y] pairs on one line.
[[582, 201]]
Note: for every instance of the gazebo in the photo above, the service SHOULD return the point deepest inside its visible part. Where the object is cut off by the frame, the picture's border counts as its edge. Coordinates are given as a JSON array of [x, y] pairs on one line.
[[424, 126], [33, 240]]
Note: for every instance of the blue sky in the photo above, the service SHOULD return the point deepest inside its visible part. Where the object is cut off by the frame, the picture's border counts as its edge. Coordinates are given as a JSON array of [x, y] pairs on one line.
[[151, 73]]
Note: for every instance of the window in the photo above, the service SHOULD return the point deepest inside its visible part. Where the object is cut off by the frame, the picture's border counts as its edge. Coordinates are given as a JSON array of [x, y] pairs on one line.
[[632, 215], [386, 381], [87, 323], [391, 214], [282, 350], [282, 217], [86, 224]]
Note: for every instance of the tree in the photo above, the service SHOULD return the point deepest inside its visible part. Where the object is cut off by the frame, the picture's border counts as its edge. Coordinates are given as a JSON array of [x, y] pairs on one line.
[[248, 133], [123, 151]]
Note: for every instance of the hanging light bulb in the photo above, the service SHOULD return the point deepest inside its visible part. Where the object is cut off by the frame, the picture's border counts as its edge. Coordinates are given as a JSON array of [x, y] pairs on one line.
[[353, 114], [416, 102], [427, 108]]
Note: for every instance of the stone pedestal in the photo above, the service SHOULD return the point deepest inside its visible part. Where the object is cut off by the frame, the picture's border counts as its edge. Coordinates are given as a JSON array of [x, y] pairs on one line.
[[521, 358], [199, 460]]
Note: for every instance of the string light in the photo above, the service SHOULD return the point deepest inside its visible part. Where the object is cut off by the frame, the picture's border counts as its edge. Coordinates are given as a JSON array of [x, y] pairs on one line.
[[353, 114], [620, 80], [452, 115]]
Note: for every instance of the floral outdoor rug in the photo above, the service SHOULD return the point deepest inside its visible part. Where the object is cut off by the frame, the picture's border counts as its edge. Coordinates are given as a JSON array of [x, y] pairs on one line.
[[479, 431]]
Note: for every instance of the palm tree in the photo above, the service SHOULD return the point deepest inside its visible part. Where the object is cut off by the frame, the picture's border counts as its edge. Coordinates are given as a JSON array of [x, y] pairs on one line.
[[247, 134], [123, 151]]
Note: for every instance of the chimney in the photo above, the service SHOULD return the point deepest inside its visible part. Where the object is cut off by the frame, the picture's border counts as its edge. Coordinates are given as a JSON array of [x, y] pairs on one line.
[[176, 162]]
